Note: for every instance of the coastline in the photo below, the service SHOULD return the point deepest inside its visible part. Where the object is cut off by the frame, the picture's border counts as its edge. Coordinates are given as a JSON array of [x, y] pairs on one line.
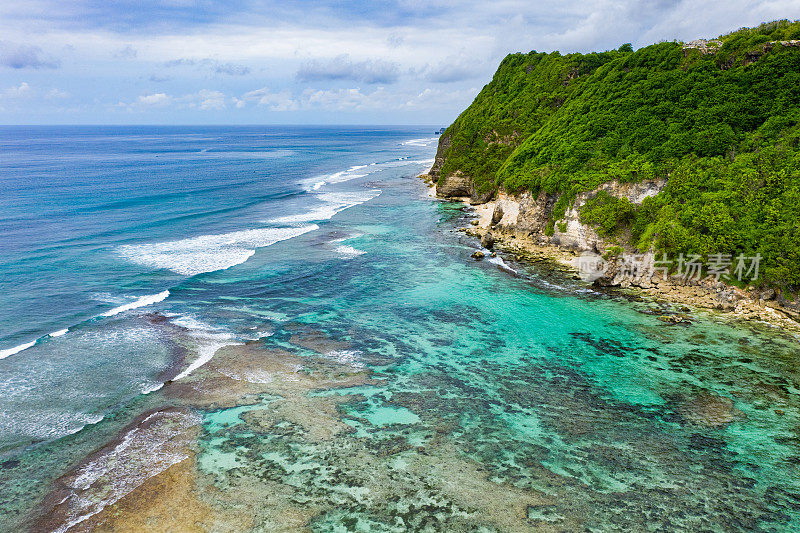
[[728, 301], [316, 424]]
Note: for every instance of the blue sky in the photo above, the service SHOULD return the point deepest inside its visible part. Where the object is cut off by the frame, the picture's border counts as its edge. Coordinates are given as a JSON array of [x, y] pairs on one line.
[[242, 61]]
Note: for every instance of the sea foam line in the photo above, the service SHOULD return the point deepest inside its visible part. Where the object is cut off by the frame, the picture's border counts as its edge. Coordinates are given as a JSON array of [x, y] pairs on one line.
[[16, 349], [142, 301], [332, 203], [208, 253], [139, 302], [210, 339], [425, 141]]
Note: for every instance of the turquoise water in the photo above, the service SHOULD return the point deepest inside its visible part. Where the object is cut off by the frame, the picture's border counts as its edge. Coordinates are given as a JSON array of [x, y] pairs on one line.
[[390, 383]]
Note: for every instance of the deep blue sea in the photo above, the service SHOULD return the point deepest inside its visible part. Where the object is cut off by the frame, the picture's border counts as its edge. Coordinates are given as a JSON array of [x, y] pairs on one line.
[[97, 221], [279, 329]]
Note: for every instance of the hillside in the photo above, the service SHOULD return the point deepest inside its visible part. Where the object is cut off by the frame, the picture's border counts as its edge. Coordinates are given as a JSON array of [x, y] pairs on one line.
[[717, 120]]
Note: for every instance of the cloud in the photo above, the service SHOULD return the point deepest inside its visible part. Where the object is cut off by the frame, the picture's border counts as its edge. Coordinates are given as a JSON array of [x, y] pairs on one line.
[[20, 56], [354, 99], [328, 100], [339, 99], [394, 40], [456, 68], [126, 52], [438, 98], [343, 68], [24, 90], [208, 100], [17, 91], [204, 100], [230, 69], [54, 94], [274, 101], [154, 100], [182, 62], [387, 58], [20, 98]]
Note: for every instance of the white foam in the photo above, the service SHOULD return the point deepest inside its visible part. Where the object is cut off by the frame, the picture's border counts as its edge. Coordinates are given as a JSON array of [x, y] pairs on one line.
[[147, 388], [142, 453], [348, 252], [205, 353], [46, 424], [319, 213], [60, 332], [16, 349], [425, 141], [351, 173], [209, 339], [341, 177], [207, 253], [501, 264], [139, 302], [349, 199], [190, 322], [346, 357], [333, 203]]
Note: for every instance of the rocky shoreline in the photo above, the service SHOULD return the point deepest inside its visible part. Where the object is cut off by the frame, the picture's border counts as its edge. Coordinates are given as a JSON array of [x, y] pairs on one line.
[[526, 242]]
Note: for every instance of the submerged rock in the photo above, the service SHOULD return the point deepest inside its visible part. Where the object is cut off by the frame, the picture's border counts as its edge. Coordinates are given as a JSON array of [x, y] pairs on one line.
[[674, 319], [709, 410]]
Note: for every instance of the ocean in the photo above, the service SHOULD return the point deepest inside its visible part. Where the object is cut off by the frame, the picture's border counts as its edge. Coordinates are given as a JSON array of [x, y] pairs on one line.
[[283, 319]]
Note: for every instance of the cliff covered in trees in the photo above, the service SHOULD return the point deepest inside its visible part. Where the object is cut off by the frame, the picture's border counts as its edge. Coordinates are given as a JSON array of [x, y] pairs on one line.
[[716, 122]]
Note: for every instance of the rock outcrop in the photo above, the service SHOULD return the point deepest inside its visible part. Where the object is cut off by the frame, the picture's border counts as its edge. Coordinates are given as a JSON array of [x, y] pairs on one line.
[[530, 214], [455, 185]]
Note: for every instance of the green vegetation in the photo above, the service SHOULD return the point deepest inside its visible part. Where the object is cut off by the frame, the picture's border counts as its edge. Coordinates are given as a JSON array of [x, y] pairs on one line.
[[723, 127]]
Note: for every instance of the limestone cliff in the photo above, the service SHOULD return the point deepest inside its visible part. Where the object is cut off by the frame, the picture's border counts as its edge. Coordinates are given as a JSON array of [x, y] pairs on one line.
[[529, 214]]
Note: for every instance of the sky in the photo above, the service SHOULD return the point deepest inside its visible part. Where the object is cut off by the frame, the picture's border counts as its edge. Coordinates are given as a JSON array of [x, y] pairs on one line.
[[308, 61]]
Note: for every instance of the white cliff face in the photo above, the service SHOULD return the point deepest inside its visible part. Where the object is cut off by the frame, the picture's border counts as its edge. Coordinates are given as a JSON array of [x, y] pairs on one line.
[[583, 237], [527, 214]]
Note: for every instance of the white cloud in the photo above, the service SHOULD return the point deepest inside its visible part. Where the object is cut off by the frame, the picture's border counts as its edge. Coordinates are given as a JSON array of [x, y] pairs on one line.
[[342, 67], [154, 100], [387, 58], [17, 91], [280, 101], [204, 100], [354, 99], [56, 94], [456, 67], [24, 90], [231, 69]]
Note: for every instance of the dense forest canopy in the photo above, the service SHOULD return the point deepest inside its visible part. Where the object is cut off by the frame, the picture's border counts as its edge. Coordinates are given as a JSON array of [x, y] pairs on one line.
[[718, 119]]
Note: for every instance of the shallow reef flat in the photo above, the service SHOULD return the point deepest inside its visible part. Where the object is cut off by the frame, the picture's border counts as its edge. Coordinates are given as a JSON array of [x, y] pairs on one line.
[[307, 431]]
